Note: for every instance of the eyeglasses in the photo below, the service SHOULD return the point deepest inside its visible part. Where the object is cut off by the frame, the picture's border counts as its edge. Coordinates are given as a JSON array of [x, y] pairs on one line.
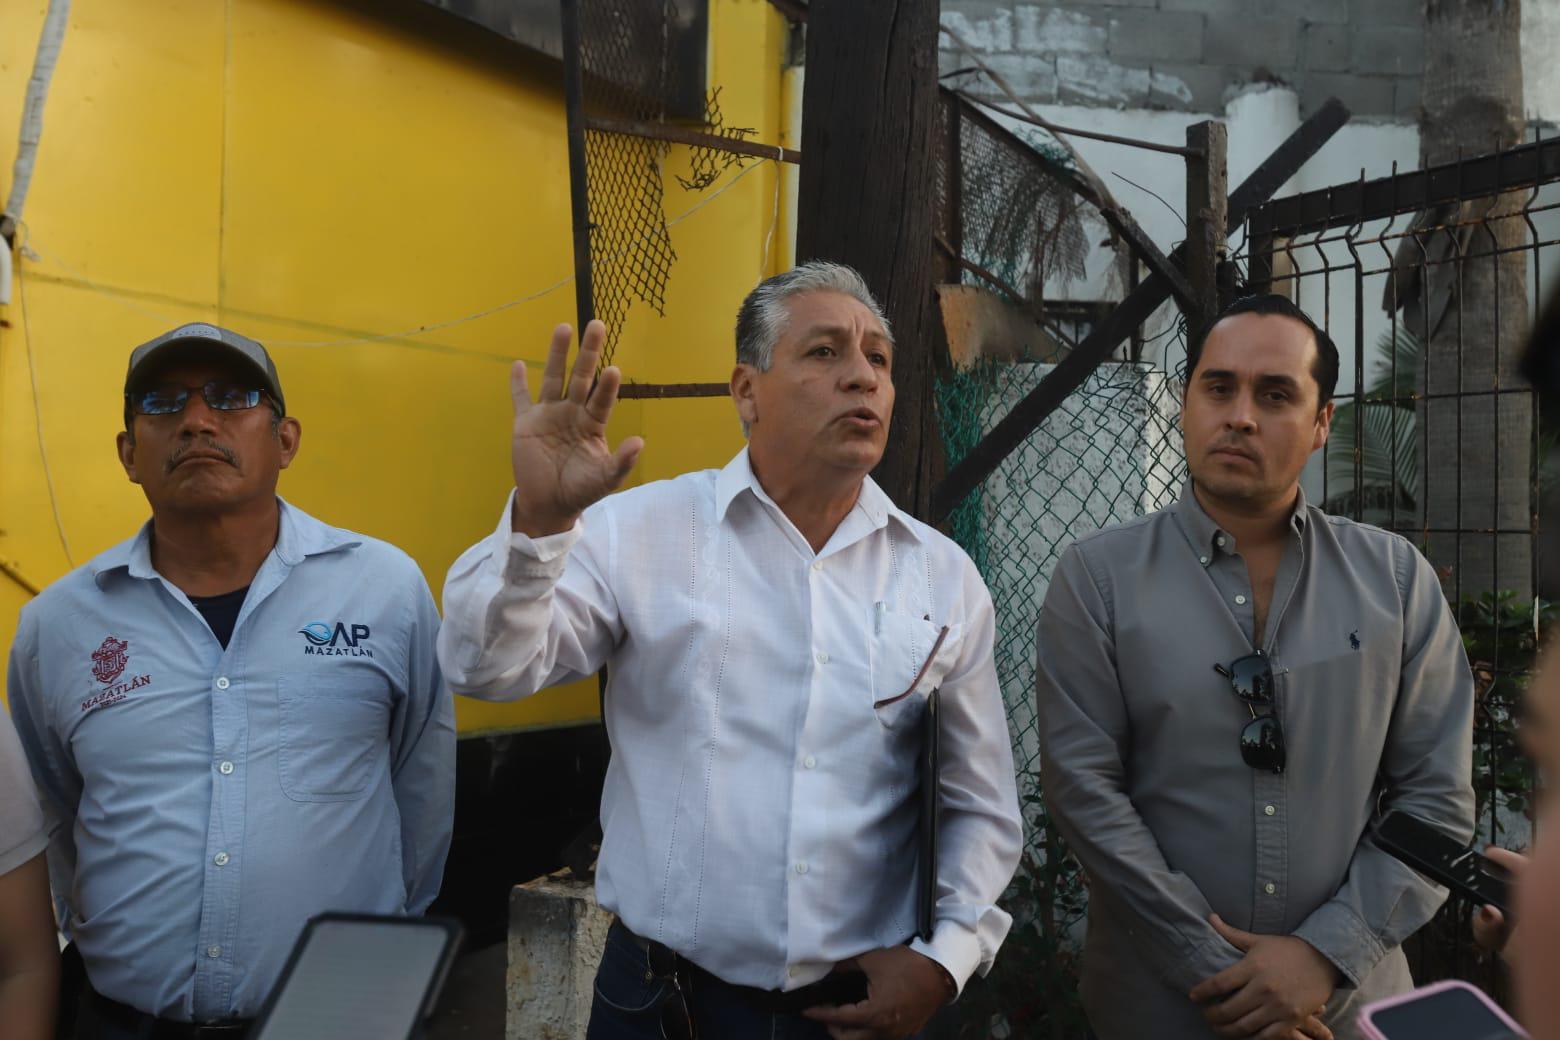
[[676, 1018], [218, 394], [1262, 739], [941, 635]]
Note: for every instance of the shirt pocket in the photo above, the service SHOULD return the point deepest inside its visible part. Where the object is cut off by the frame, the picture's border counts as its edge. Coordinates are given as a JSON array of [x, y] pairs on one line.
[[334, 736], [901, 644]]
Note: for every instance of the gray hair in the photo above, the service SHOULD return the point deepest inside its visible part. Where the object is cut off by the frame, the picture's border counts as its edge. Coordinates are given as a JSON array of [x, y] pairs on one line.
[[763, 315]]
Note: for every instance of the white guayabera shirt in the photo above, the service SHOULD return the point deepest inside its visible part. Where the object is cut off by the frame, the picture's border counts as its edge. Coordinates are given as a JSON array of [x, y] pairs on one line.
[[759, 813]]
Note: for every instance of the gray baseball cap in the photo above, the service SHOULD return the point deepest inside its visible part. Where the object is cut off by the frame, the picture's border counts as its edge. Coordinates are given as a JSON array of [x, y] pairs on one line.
[[203, 336]]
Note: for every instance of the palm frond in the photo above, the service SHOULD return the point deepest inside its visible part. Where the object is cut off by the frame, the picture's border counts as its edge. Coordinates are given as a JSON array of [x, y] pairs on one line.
[[1388, 466]]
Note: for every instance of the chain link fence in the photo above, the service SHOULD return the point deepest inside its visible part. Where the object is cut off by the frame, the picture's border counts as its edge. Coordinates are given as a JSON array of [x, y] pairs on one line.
[[1110, 453], [642, 65]]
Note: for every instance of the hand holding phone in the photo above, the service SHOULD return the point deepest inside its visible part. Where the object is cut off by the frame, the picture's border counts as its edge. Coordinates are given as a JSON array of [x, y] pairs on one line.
[[1491, 930], [1445, 860]]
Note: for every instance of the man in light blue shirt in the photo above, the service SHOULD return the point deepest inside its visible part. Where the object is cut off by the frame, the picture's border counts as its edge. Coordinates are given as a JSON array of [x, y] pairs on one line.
[[236, 717]]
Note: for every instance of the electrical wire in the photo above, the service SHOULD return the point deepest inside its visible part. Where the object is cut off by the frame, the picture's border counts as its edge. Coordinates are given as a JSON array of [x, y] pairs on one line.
[[32, 376], [774, 219]]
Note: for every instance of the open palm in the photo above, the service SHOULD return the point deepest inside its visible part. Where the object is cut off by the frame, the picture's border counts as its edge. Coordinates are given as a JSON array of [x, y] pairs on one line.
[[559, 450]]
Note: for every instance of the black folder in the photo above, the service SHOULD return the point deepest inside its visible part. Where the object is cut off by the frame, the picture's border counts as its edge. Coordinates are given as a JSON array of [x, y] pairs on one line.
[[930, 768]]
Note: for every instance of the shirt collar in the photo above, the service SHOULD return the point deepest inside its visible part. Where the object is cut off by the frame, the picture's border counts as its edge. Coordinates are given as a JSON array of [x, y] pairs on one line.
[[873, 501], [1208, 538], [299, 535]]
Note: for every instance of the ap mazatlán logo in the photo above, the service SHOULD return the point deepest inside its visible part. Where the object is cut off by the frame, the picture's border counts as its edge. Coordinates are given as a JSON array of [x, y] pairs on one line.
[[339, 640]]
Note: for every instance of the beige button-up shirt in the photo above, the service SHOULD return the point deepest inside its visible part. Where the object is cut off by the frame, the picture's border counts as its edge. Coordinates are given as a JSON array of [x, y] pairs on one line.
[[1142, 768]]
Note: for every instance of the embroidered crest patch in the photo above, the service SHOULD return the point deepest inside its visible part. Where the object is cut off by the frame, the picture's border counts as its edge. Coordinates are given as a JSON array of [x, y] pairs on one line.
[[110, 659]]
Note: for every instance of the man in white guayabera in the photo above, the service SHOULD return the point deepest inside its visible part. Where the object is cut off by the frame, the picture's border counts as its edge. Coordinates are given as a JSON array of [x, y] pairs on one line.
[[772, 632]]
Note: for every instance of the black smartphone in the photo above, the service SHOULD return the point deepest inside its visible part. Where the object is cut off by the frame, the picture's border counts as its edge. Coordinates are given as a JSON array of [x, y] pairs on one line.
[[1445, 860], [360, 977]]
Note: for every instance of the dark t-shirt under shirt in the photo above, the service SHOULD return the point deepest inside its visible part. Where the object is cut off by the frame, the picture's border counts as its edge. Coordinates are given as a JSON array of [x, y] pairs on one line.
[[221, 612]]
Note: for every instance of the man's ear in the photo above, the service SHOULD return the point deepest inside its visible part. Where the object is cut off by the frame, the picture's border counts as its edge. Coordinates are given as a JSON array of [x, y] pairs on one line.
[[1323, 424], [744, 393], [289, 432], [125, 442]]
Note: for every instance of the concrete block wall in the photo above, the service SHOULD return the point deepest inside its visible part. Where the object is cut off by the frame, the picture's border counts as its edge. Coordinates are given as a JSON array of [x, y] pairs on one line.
[[1191, 55]]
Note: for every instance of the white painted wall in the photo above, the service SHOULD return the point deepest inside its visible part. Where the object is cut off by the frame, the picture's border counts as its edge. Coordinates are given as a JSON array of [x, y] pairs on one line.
[[1541, 59], [1258, 122]]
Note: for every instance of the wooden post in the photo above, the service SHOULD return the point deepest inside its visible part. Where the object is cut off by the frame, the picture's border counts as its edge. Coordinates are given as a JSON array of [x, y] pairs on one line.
[[1207, 211], [866, 196]]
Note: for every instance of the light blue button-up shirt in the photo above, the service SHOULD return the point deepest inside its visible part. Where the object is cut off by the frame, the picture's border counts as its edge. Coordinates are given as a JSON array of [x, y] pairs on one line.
[[206, 802]]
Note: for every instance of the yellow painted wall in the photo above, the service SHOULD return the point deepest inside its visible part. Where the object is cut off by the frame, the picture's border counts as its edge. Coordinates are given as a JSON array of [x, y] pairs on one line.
[[350, 183]]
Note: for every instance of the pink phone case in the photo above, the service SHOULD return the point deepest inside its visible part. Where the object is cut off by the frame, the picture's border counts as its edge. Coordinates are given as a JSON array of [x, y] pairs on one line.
[[1368, 1028]]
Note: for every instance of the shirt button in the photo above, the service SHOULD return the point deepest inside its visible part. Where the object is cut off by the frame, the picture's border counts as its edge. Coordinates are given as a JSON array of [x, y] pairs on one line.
[[222, 682], [823, 658], [220, 859], [226, 769], [1240, 601], [213, 952], [1202, 560], [1270, 810], [801, 868], [809, 761], [817, 565], [1219, 541], [1270, 888]]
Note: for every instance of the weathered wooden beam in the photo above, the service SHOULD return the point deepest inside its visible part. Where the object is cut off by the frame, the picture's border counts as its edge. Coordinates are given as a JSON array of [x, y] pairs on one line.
[[866, 196], [1207, 202]]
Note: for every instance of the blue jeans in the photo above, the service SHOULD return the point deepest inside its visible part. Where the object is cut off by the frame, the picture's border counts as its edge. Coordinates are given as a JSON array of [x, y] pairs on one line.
[[627, 1006]]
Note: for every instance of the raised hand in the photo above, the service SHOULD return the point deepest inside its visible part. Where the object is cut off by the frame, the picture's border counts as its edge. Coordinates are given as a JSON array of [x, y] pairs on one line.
[[559, 450]]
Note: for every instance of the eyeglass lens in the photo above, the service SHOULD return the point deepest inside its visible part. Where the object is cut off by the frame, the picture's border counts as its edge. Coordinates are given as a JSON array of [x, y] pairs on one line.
[[218, 394], [1252, 677], [1262, 744]]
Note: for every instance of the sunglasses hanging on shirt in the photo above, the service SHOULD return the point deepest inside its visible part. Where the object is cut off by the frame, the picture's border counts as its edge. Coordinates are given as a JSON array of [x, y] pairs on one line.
[[1262, 739]]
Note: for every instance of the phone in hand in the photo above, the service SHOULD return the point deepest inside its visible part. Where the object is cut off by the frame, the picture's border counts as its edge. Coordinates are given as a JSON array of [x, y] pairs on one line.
[[360, 977], [1445, 860], [1451, 1010]]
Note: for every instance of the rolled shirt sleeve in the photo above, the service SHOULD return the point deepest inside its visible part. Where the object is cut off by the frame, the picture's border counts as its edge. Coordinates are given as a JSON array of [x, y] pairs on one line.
[[1427, 766], [1083, 736]]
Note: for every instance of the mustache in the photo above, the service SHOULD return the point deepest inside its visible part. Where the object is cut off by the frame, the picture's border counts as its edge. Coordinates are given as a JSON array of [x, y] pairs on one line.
[[1240, 446], [228, 454]]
